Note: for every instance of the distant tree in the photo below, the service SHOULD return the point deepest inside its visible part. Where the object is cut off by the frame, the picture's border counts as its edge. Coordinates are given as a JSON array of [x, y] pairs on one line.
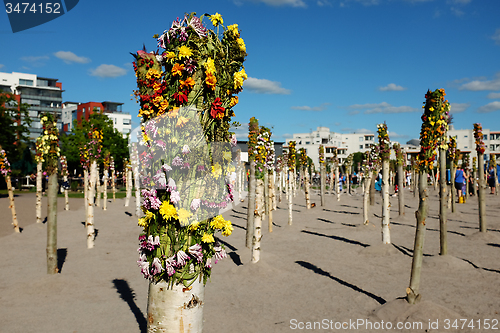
[[14, 125], [112, 142]]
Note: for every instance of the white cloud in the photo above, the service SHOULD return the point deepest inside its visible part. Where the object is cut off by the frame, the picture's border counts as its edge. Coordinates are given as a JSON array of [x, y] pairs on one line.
[[493, 96], [263, 86], [311, 108], [70, 57], [394, 135], [496, 37], [358, 130], [459, 2], [241, 132], [276, 3], [369, 106], [490, 107], [322, 3], [383, 107], [478, 85], [459, 107], [287, 136], [36, 61], [108, 71], [392, 87]]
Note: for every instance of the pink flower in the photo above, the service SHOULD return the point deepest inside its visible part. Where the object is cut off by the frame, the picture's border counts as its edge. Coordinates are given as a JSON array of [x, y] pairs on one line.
[[186, 150], [156, 266], [182, 257], [175, 197], [195, 204], [169, 265], [220, 253], [196, 252]]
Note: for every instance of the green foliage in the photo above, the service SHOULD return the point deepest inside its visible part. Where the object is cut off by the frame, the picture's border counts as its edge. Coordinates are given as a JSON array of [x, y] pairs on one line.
[[112, 142], [13, 137]]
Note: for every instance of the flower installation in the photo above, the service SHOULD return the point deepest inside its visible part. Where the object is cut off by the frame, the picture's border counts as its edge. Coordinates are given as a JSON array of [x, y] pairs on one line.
[[5, 169], [321, 154], [384, 142], [478, 136], [186, 91], [47, 144]]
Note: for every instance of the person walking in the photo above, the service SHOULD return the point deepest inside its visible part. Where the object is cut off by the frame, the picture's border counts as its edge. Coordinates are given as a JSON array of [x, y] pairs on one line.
[[460, 181]]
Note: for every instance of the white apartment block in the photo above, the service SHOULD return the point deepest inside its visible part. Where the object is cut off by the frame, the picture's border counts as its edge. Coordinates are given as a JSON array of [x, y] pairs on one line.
[[344, 143], [466, 142], [122, 122]]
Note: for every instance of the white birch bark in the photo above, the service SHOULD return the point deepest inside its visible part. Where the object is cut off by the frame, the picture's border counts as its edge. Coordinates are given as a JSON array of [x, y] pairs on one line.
[[175, 309], [98, 188], [39, 192], [332, 179], [290, 196], [366, 197], [137, 190], [273, 189], [12, 205], [307, 189], [66, 199], [86, 192], [90, 205], [105, 190], [323, 183], [481, 192], [113, 184], [294, 183], [337, 182], [128, 186], [270, 202], [386, 232], [259, 210]]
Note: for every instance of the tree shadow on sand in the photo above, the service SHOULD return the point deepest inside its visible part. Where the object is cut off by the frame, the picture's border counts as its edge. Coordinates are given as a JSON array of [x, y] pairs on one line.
[[61, 258], [128, 295], [319, 271], [342, 239]]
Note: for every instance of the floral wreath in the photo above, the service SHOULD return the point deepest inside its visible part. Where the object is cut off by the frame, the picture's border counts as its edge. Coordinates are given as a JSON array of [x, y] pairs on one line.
[[478, 135], [47, 144]]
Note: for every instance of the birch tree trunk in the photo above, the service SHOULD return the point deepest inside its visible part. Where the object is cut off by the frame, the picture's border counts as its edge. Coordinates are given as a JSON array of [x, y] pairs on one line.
[[105, 190], [290, 197], [443, 240], [266, 194], [39, 192], [280, 185], [251, 205], [401, 197], [366, 197], [273, 190], [98, 188], [113, 184], [128, 187], [386, 232], [332, 180], [137, 186], [372, 188], [412, 295], [337, 182], [52, 224], [270, 203], [480, 194], [434, 180], [175, 309], [294, 186], [12, 205], [307, 189], [90, 206], [348, 182], [323, 183], [66, 199], [257, 230]]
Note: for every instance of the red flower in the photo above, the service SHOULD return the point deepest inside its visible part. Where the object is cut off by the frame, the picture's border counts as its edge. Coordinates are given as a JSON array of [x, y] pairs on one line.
[[181, 97], [217, 111]]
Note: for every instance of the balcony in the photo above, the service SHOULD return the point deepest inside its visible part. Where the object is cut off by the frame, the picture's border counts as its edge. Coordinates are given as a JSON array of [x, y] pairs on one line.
[[41, 98]]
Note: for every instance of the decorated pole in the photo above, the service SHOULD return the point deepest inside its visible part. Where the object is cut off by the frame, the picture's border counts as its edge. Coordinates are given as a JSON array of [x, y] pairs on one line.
[[480, 148], [98, 188], [384, 153], [127, 174], [253, 133], [113, 176], [493, 161], [443, 147], [134, 158], [434, 123], [64, 172], [368, 167], [261, 206], [452, 153], [472, 176], [305, 172], [322, 170], [269, 171], [105, 177], [337, 175], [348, 166], [5, 170], [400, 163], [39, 176], [48, 146], [187, 91], [291, 178]]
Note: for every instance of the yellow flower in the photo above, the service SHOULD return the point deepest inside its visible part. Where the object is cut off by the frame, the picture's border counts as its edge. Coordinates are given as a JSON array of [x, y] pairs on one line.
[[216, 170], [431, 109], [181, 121], [207, 238], [227, 155], [216, 19], [184, 216], [177, 69], [170, 56], [153, 74], [234, 29], [209, 66], [241, 44], [211, 81], [174, 140], [194, 226], [185, 52], [189, 82], [144, 221], [218, 222], [228, 229], [234, 101], [239, 77], [168, 211]]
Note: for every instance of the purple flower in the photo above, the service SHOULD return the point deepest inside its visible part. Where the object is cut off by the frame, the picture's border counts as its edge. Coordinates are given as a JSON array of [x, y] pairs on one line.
[[160, 180], [143, 264], [177, 161], [171, 185], [234, 141], [166, 168], [151, 201], [200, 168], [196, 252], [195, 204], [161, 144], [156, 266], [197, 26], [220, 253], [169, 265], [185, 166], [190, 65], [208, 264], [175, 197], [182, 257]]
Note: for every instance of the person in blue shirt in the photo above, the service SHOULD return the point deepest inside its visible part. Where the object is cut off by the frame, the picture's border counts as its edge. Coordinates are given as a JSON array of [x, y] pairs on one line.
[[460, 180], [491, 179]]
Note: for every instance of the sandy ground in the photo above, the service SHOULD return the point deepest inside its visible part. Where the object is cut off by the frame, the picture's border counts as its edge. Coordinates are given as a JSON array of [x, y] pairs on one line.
[[327, 268]]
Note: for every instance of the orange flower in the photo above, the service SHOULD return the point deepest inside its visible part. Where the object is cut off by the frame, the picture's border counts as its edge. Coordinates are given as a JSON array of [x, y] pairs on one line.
[[173, 113], [181, 121], [189, 82], [211, 81], [177, 69]]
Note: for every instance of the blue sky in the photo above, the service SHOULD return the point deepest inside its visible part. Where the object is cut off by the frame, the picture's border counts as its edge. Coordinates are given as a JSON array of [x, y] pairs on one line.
[[347, 65]]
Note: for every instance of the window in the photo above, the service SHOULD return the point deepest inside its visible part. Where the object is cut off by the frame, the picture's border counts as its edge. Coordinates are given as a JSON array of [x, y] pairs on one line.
[[485, 137], [308, 142], [126, 121], [466, 147], [492, 147], [360, 139], [98, 108], [465, 136], [25, 82], [360, 146]]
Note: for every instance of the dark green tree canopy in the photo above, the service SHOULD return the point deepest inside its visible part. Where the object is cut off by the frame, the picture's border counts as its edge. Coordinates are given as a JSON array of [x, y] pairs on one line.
[[14, 127]]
